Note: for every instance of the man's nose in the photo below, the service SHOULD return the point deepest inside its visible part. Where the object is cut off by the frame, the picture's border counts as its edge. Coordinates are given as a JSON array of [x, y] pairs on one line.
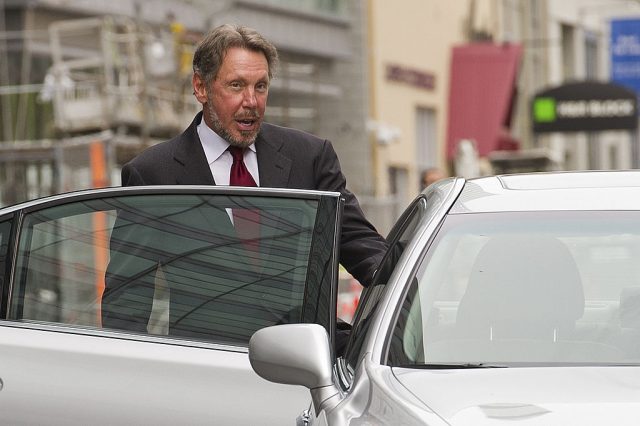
[[249, 100]]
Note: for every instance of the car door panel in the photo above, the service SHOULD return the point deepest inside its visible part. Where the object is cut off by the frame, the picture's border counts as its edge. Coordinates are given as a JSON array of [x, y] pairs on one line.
[[56, 377], [186, 291]]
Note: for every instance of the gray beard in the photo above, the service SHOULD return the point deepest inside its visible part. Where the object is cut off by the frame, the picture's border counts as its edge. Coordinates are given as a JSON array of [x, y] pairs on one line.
[[224, 134]]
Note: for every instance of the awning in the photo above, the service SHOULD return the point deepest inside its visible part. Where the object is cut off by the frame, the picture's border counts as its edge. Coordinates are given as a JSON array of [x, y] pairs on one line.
[[481, 93]]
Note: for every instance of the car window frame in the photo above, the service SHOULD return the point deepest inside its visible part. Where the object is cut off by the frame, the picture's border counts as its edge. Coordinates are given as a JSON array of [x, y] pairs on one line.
[[7, 263], [370, 300], [16, 214]]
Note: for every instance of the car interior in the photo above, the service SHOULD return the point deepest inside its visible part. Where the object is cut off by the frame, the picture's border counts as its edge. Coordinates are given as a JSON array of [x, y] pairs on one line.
[[523, 302]]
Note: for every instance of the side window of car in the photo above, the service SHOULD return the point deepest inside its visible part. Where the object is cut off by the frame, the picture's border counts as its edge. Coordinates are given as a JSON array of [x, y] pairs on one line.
[[181, 266], [398, 238], [62, 255]]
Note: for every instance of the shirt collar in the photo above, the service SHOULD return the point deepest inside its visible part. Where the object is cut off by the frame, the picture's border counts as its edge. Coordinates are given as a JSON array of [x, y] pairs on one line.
[[212, 143]]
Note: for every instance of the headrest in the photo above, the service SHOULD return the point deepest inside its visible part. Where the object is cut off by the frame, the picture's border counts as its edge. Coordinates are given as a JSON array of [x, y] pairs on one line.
[[523, 278]]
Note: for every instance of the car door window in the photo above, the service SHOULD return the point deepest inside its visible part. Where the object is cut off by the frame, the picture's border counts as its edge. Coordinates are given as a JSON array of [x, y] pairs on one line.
[[176, 265]]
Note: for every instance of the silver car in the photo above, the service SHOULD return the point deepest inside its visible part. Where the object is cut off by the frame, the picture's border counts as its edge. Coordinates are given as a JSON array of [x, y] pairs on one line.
[[136, 305], [507, 299]]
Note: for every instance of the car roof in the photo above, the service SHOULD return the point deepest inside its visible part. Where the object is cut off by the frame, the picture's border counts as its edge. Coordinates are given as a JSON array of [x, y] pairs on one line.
[[585, 190]]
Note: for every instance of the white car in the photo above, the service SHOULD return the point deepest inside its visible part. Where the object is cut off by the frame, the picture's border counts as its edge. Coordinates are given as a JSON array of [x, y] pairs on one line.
[[503, 300], [136, 305]]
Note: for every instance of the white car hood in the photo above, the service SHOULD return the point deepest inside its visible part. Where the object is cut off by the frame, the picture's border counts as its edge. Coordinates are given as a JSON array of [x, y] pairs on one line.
[[529, 396]]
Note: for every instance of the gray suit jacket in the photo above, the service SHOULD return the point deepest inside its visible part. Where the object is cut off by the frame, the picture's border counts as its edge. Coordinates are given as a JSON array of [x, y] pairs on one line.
[[287, 158]]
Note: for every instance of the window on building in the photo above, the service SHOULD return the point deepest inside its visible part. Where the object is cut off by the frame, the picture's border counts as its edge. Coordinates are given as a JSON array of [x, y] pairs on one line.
[[426, 138], [536, 15], [568, 51], [512, 15], [591, 55], [399, 185]]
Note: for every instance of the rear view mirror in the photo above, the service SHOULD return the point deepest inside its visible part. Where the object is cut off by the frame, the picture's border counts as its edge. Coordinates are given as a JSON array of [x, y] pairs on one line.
[[295, 354]]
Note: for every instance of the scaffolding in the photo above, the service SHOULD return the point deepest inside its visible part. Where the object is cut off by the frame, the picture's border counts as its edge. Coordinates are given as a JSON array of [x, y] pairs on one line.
[[113, 88], [111, 73]]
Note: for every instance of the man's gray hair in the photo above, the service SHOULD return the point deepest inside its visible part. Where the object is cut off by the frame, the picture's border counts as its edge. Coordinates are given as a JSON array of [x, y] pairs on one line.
[[211, 51]]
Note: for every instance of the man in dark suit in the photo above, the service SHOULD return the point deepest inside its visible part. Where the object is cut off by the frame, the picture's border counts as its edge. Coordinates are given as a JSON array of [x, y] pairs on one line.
[[233, 67]]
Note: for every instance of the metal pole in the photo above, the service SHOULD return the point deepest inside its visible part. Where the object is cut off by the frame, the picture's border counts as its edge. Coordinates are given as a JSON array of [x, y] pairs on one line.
[[24, 98]]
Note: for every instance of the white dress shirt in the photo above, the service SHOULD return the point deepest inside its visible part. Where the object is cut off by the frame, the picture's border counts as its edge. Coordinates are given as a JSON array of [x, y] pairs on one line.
[[220, 160]]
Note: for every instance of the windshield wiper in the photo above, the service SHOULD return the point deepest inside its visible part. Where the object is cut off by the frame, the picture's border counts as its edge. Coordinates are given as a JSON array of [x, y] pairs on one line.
[[443, 366]]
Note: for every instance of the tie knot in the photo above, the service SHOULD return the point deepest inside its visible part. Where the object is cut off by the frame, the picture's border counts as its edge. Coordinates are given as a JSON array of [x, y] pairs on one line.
[[237, 153]]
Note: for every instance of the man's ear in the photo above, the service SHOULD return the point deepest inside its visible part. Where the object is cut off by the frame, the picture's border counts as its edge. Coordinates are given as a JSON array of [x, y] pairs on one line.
[[199, 88]]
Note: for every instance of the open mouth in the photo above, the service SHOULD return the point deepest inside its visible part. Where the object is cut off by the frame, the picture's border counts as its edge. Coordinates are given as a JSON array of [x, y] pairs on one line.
[[246, 123]]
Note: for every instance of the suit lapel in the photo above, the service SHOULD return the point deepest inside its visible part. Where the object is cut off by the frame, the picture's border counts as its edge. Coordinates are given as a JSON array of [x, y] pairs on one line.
[[189, 153], [273, 166]]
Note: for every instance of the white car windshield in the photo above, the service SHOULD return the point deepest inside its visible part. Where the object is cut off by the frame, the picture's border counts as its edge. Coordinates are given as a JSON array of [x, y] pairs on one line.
[[539, 288]]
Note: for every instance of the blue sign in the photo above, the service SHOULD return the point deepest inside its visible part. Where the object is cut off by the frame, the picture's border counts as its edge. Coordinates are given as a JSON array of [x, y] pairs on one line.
[[625, 53]]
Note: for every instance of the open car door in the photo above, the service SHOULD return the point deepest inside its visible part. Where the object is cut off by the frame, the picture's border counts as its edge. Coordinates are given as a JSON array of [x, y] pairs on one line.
[[136, 305]]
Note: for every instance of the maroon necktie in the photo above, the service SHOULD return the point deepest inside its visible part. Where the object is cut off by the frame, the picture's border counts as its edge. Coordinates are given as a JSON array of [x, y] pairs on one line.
[[246, 221], [239, 176]]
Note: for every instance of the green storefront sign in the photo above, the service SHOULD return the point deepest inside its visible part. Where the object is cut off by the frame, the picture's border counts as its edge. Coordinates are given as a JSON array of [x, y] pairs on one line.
[[544, 110], [585, 106]]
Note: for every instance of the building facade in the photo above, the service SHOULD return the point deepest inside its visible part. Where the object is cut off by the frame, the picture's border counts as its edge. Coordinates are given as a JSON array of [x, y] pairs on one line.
[[563, 42], [409, 54]]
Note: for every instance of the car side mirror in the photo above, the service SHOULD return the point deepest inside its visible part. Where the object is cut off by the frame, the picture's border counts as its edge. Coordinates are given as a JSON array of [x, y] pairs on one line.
[[296, 354]]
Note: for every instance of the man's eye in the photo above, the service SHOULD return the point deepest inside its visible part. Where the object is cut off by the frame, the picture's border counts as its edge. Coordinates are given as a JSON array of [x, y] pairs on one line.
[[235, 85], [262, 87]]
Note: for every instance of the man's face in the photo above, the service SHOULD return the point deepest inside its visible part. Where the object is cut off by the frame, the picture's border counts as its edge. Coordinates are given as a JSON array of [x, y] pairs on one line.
[[235, 101]]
